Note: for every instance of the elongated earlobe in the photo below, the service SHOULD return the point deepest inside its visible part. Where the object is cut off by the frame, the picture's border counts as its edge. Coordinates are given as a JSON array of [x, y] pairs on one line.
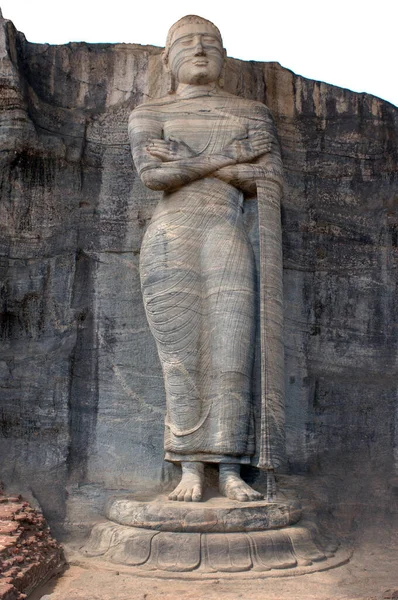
[[171, 88], [221, 79], [172, 83]]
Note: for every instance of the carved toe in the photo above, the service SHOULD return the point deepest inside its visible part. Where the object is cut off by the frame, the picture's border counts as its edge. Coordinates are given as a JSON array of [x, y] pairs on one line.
[[181, 495], [197, 494]]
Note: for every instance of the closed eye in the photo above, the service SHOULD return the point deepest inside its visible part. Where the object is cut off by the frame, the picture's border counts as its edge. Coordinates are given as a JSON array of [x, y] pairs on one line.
[[208, 39], [187, 41]]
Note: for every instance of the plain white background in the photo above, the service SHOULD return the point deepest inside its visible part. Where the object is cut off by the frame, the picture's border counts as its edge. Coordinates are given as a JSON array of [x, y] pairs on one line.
[[349, 43]]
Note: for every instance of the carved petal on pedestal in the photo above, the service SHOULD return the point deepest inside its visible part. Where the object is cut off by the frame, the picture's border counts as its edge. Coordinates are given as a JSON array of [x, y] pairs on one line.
[[227, 552], [327, 543], [132, 547], [272, 550], [101, 539], [209, 552], [304, 546], [176, 551]]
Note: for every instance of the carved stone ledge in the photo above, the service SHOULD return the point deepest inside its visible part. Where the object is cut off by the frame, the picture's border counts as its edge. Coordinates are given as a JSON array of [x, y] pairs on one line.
[[218, 536], [216, 515]]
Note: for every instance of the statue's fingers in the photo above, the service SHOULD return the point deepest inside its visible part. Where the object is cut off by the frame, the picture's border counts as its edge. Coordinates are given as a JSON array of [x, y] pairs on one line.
[[258, 147], [163, 149], [261, 140], [262, 147], [160, 145], [262, 137], [158, 154]]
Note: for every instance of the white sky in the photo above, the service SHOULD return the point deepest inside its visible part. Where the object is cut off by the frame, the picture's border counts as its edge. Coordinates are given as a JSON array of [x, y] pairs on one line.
[[350, 43]]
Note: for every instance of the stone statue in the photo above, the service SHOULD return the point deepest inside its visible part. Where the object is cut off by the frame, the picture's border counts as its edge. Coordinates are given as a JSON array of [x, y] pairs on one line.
[[208, 150], [209, 301]]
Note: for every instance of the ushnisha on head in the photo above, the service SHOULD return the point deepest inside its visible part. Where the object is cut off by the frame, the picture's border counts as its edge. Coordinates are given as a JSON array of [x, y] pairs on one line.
[[194, 53]]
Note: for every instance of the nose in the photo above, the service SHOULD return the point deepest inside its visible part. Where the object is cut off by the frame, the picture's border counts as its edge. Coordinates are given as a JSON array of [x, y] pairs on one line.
[[199, 49]]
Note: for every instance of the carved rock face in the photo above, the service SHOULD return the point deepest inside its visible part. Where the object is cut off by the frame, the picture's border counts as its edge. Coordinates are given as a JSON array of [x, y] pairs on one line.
[[73, 320]]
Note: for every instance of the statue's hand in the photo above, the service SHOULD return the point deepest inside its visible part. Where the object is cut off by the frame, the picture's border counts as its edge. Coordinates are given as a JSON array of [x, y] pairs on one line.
[[247, 149], [169, 150], [227, 174]]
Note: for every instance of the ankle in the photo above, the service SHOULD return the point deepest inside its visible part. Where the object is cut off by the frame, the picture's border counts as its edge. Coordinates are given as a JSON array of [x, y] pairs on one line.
[[193, 468], [227, 469]]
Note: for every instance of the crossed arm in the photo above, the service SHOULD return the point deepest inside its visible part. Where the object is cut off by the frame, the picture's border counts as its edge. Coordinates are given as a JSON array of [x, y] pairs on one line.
[[169, 164]]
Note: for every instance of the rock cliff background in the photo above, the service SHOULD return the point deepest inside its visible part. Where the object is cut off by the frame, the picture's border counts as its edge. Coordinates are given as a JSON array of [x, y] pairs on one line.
[[81, 393]]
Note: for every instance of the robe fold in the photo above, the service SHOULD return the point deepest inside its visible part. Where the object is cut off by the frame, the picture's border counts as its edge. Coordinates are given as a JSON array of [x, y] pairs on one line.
[[200, 288]]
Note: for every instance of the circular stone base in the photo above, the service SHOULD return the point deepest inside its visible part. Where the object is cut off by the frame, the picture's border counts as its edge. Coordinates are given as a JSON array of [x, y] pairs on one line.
[[216, 515], [295, 550]]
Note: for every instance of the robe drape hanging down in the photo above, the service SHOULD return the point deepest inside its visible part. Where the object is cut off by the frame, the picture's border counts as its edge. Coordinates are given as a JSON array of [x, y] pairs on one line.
[[199, 285]]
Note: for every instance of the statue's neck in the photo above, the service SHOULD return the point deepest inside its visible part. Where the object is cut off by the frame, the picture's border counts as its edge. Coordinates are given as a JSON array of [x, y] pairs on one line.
[[185, 90]]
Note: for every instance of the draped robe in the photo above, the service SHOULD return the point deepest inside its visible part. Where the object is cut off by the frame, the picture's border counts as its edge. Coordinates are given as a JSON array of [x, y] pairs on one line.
[[198, 273]]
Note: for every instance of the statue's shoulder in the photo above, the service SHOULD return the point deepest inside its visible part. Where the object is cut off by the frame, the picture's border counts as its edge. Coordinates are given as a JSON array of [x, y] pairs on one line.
[[256, 108], [260, 111], [251, 107], [152, 105]]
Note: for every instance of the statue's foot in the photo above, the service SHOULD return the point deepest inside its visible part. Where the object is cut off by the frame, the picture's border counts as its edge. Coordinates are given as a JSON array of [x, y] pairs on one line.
[[190, 488], [232, 485]]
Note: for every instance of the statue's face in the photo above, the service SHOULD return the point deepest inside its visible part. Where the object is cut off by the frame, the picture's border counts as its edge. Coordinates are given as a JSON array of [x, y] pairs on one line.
[[196, 55]]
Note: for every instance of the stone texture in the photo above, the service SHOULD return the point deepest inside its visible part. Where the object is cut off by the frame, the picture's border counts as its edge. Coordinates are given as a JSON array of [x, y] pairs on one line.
[[294, 547], [82, 401], [208, 151], [365, 576], [28, 553], [217, 514]]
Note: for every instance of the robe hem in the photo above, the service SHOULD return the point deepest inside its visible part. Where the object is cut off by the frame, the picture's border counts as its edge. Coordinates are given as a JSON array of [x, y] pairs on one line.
[[208, 458]]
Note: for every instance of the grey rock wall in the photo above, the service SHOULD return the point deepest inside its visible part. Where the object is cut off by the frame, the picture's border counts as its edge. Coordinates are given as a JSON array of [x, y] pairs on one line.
[[81, 396]]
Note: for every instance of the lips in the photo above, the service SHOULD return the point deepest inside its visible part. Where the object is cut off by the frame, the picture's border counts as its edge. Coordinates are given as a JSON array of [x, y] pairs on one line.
[[200, 63]]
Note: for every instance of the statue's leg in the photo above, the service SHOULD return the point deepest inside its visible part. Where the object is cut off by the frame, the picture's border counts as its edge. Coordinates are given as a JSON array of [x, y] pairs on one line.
[[191, 486], [232, 485], [228, 277]]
